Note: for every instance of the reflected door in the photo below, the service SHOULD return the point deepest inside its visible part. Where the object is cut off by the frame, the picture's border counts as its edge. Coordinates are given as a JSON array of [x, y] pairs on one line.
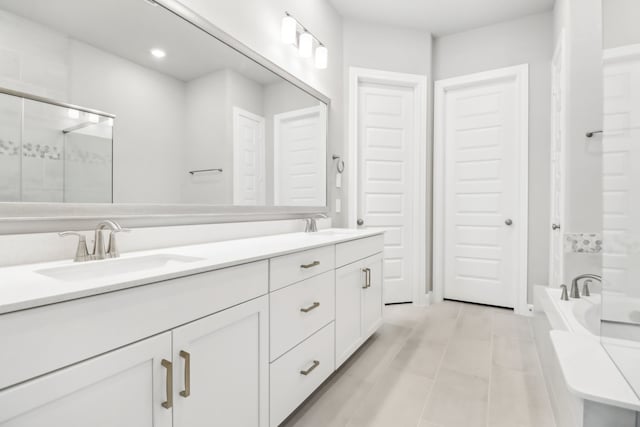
[[248, 158], [299, 157]]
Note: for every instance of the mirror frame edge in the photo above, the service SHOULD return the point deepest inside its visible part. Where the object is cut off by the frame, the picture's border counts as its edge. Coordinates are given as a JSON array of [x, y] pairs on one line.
[[25, 218]]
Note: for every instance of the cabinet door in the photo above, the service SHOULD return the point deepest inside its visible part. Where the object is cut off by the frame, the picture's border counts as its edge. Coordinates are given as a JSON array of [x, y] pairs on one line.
[[372, 297], [125, 387], [221, 368], [350, 280]]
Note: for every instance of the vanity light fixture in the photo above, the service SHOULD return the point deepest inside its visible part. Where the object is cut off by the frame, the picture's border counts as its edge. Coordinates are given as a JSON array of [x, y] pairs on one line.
[[321, 57], [289, 30], [294, 33], [73, 113], [158, 53], [93, 118], [305, 45]]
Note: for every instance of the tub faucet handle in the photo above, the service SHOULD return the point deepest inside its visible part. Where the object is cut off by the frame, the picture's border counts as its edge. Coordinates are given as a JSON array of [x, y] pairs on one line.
[[585, 288], [565, 294]]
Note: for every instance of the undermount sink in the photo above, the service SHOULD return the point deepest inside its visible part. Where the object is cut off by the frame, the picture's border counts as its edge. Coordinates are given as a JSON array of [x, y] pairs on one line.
[[111, 267], [337, 232]]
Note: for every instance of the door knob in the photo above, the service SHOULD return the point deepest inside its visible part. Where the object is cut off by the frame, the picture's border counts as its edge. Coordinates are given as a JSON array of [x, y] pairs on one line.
[[555, 227], [360, 221], [508, 221]]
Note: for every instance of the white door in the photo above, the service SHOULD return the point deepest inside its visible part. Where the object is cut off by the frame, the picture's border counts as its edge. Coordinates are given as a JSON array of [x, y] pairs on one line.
[[481, 131], [300, 157], [248, 158], [125, 387], [558, 136], [221, 368], [386, 148]]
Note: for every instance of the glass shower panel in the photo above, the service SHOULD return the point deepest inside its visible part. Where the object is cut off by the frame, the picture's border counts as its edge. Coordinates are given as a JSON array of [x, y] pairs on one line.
[[66, 155], [10, 127]]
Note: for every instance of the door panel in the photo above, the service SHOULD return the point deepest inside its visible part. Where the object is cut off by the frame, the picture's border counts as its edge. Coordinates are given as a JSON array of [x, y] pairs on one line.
[[300, 157], [481, 177], [228, 356], [349, 283], [386, 146], [249, 187], [372, 296], [125, 387], [558, 136]]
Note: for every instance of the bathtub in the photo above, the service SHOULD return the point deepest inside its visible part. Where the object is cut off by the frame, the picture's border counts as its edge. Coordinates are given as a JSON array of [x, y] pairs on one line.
[[579, 319]]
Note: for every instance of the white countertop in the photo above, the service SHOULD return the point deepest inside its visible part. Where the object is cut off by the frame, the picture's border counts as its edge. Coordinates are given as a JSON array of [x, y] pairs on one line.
[[21, 287], [590, 373]]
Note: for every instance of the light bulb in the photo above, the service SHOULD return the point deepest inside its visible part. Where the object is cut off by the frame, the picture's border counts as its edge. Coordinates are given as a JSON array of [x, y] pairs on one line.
[[289, 30], [73, 114], [93, 118], [305, 45], [322, 55], [158, 53]]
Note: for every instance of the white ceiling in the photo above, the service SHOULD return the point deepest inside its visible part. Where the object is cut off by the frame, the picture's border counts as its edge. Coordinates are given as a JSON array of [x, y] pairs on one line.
[[440, 17], [130, 28]]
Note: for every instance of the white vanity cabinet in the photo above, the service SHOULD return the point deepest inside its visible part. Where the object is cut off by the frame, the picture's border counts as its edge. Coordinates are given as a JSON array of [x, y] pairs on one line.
[[125, 387], [221, 369], [242, 345], [358, 304]]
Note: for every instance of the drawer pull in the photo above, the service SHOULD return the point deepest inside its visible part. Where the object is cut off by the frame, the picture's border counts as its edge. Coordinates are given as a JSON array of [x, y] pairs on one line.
[[311, 307], [308, 371], [313, 264], [187, 374], [168, 404]]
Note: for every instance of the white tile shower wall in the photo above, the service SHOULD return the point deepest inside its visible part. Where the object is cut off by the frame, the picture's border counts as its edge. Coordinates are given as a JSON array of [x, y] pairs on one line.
[[18, 249]]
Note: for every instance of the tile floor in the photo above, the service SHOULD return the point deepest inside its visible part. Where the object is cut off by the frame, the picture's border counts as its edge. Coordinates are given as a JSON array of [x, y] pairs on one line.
[[448, 365]]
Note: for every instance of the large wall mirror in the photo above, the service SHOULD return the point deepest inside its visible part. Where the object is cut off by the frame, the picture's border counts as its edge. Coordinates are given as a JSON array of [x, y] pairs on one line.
[[126, 102]]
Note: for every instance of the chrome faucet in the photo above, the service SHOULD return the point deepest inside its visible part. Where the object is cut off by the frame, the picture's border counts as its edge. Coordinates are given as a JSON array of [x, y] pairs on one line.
[[311, 223], [575, 292], [99, 250]]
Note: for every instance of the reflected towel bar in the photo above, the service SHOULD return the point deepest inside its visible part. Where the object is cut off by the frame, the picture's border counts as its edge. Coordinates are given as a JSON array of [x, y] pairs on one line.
[[205, 170]]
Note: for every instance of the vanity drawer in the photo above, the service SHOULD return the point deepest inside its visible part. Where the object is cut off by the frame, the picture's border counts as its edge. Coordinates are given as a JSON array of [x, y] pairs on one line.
[[288, 269], [354, 250], [299, 310], [289, 386]]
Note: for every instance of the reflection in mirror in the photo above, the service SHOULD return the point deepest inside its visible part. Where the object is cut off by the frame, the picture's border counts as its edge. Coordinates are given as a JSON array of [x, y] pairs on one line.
[[190, 120], [621, 185]]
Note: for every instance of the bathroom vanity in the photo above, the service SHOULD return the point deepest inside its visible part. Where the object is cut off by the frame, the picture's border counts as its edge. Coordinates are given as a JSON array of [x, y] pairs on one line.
[[233, 333]]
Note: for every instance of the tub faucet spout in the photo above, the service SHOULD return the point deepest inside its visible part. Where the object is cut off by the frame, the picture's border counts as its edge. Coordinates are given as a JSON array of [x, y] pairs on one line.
[[575, 291]]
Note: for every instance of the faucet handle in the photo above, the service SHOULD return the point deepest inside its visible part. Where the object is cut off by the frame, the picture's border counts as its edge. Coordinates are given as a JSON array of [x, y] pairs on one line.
[[585, 288], [112, 250], [565, 294], [82, 252]]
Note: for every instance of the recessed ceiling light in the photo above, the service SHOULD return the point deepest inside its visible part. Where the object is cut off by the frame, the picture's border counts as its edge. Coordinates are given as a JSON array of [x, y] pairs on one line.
[[158, 53]]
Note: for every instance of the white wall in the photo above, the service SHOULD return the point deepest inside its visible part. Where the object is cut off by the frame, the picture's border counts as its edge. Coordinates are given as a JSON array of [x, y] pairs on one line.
[[582, 23], [256, 23], [524, 41], [620, 23]]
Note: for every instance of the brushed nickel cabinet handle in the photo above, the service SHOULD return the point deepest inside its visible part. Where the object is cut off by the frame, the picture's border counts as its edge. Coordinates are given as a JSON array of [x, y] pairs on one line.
[[308, 371], [313, 264], [168, 404], [367, 278], [187, 373], [311, 307]]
